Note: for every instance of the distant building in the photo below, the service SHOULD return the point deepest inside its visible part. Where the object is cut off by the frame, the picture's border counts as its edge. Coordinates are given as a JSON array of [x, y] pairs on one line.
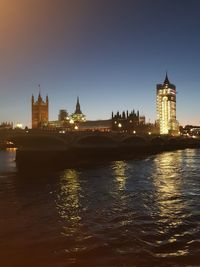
[[66, 122], [40, 112], [6, 125], [142, 120], [132, 122], [166, 108], [125, 121], [190, 131], [98, 125], [78, 116], [63, 115]]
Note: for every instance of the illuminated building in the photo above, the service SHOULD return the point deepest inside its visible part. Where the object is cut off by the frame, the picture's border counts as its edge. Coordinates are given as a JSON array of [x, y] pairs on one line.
[[40, 112], [66, 122], [190, 131], [126, 121], [132, 122], [97, 125], [78, 116], [166, 108]]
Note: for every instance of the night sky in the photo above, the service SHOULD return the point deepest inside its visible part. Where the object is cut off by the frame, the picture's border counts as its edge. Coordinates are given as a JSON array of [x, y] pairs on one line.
[[110, 53]]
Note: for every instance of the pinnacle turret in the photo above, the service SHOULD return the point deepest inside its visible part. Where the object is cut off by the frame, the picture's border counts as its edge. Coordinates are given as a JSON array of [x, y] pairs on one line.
[[166, 81]]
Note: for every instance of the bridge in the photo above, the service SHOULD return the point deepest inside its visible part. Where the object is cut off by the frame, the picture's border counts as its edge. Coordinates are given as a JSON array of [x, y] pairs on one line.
[[47, 148], [35, 140]]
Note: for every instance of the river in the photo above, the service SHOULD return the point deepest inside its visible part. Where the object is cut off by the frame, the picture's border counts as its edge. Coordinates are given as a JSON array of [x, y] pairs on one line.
[[141, 212]]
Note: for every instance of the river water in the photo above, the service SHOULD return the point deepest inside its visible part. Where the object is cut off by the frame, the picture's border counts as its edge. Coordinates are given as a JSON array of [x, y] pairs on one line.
[[141, 212]]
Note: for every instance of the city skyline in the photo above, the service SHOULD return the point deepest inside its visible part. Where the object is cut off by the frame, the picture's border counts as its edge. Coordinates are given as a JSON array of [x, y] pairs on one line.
[[110, 54]]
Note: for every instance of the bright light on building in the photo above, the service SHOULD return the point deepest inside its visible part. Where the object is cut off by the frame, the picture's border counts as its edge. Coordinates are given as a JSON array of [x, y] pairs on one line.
[[62, 131], [71, 121], [119, 125], [149, 133], [9, 143], [134, 132], [19, 125], [166, 108], [76, 127]]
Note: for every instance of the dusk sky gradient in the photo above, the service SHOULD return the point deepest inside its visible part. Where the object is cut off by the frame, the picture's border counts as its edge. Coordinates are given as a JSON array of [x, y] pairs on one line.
[[110, 53]]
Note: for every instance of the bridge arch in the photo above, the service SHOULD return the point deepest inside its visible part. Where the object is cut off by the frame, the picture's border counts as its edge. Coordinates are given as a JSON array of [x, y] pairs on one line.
[[134, 140], [43, 142], [157, 141], [96, 140]]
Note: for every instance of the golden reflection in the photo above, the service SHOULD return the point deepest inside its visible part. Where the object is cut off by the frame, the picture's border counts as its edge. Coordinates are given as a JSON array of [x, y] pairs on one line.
[[11, 149], [170, 201], [180, 252], [68, 203], [168, 183], [119, 168]]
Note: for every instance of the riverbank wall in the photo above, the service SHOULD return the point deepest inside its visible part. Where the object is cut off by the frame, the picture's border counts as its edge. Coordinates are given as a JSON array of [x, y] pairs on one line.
[[88, 153]]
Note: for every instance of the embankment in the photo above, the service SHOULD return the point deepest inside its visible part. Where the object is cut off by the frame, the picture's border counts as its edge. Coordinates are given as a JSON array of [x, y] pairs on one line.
[[88, 153]]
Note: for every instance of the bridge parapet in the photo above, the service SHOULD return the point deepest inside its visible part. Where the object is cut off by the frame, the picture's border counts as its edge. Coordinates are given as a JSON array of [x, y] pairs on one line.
[[44, 140]]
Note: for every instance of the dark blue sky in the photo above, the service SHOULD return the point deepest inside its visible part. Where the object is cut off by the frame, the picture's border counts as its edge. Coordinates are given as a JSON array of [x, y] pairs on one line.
[[110, 53]]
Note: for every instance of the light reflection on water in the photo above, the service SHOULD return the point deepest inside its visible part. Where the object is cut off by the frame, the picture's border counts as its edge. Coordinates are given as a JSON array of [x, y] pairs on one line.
[[119, 169], [68, 199], [167, 181], [137, 207], [142, 212], [168, 185]]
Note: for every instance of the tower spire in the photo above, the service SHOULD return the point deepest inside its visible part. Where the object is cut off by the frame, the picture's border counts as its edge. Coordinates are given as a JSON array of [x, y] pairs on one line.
[[39, 96], [32, 99], [78, 107], [166, 81], [47, 99], [39, 89]]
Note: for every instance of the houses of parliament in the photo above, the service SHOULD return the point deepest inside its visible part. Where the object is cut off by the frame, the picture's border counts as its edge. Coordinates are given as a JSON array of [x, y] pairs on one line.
[[127, 121], [40, 115], [132, 122]]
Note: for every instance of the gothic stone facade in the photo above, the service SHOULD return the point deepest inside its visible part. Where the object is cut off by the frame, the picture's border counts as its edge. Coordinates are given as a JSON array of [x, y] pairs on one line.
[[40, 112]]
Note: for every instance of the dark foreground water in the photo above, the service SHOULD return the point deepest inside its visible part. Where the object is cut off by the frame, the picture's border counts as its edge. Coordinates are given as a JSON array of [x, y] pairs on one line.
[[143, 212]]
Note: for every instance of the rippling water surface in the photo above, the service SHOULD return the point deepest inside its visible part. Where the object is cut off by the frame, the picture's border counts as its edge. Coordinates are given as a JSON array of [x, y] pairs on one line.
[[142, 212]]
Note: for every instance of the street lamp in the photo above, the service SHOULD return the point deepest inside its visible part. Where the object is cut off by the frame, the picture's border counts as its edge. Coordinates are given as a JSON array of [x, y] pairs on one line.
[[119, 125]]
